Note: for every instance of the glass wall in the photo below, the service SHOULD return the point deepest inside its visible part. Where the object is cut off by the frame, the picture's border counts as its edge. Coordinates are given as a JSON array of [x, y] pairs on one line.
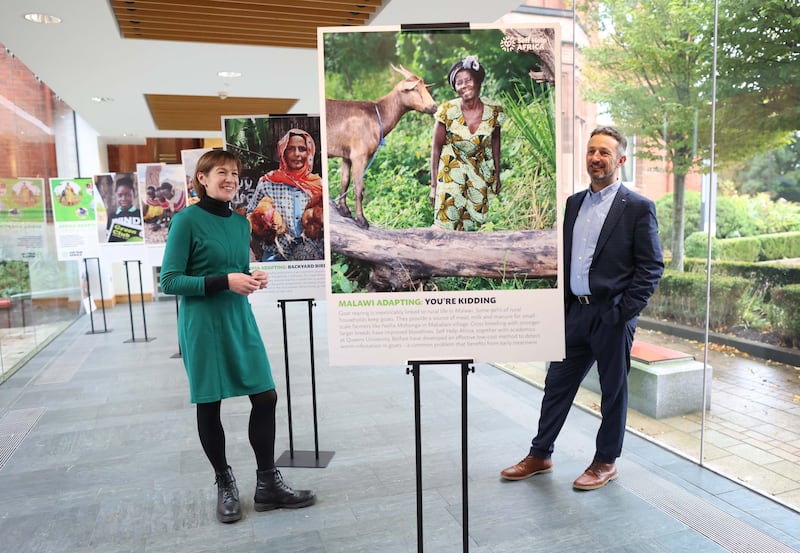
[[715, 374], [39, 295]]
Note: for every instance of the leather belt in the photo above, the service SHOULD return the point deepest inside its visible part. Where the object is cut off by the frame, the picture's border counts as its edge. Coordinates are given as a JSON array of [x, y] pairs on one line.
[[583, 300]]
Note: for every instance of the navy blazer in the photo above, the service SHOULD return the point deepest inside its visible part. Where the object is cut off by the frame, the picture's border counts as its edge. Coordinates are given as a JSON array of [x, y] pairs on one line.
[[627, 262]]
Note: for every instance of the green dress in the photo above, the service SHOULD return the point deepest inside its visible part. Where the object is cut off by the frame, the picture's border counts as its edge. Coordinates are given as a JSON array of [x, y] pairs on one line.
[[466, 179], [220, 342]]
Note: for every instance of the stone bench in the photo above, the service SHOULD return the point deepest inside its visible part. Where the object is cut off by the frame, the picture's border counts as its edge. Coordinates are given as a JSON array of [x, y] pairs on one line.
[[662, 383]]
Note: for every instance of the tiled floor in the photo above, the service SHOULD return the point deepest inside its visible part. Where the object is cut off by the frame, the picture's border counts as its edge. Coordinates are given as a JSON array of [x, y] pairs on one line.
[[99, 454]]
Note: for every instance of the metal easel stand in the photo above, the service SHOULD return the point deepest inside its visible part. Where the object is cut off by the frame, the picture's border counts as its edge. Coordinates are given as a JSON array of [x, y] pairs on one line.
[[141, 299], [179, 354], [466, 368], [89, 292], [292, 458]]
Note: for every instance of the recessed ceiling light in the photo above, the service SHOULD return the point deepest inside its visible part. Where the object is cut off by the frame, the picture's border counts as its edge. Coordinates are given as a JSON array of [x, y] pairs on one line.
[[102, 99], [229, 74], [42, 18]]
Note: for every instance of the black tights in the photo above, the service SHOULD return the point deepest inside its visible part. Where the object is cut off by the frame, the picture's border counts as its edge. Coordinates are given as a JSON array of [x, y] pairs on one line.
[[261, 431]]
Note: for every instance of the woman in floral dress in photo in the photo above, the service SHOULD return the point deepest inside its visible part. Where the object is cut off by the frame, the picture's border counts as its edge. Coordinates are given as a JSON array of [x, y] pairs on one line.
[[465, 158]]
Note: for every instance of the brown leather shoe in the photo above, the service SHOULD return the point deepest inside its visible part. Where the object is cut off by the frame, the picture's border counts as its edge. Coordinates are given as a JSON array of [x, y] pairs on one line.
[[527, 468], [596, 476]]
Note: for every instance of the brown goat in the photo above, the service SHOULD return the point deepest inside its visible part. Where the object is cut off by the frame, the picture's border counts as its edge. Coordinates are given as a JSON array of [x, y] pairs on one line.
[[356, 128]]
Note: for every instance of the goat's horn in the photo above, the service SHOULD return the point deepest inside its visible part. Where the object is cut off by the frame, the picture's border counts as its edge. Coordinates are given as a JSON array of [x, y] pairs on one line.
[[402, 70]]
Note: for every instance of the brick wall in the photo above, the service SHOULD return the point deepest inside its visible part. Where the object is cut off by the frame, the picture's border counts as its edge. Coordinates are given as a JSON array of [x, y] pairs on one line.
[[27, 111]]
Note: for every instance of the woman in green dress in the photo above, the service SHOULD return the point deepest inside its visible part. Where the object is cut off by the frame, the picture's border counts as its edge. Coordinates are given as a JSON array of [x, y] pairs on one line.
[[206, 262], [465, 157]]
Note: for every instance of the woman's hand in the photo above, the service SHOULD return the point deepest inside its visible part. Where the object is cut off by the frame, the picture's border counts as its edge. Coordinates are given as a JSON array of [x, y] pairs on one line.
[[262, 277], [432, 195], [243, 284]]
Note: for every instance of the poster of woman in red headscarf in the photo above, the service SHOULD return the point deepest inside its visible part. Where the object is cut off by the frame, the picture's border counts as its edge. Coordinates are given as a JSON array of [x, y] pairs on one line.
[[280, 193]]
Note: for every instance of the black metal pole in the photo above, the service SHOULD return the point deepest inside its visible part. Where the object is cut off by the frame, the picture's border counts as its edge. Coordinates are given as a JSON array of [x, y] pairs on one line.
[[282, 304], [465, 370], [177, 314], [415, 370], [130, 301], [88, 293], [313, 377], [141, 298], [102, 299]]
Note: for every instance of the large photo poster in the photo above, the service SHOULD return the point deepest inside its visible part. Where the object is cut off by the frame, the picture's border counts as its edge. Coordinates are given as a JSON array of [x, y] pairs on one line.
[[442, 192], [280, 193]]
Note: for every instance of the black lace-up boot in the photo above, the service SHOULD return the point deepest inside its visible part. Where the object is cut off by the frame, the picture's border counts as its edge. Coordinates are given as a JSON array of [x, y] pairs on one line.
[[228, 508], [273, 493]]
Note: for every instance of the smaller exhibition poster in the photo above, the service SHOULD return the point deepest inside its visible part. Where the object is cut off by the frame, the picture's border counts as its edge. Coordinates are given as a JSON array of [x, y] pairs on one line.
[[119, 216], [162, 195], [189, 161], [74, 218], [22, 218], [281, 194]]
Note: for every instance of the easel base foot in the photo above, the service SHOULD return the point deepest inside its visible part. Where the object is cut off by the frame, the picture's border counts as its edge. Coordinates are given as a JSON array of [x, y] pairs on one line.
[[305, 459]]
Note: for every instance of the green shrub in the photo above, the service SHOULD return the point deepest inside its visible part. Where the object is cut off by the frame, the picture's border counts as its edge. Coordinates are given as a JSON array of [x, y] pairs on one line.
[[681, 297], [737, 216], [14, 278], [788, 324], [696, 245], [785, 245], [691, 215], [764, 247], [763, 277]]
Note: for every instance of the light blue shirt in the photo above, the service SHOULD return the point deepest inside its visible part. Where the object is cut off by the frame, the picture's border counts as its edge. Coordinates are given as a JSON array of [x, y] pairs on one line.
[[591, 216]]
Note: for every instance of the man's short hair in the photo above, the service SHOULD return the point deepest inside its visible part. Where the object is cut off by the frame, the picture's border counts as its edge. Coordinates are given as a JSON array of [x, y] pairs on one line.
[[613, 133]]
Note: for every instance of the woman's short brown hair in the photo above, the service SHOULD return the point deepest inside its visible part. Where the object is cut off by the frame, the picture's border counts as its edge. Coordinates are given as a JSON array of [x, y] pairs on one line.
[[207, 162]]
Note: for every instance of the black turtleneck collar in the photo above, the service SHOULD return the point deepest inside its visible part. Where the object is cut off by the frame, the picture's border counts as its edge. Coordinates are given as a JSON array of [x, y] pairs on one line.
[[215, 207]]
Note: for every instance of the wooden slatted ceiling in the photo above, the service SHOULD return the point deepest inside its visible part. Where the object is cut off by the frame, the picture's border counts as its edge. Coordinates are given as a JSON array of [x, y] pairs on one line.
[[204, 113], [290, 24], [252, 22]]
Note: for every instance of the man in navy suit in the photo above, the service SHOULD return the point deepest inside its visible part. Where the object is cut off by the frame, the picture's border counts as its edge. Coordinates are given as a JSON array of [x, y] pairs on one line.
[[613, 262]]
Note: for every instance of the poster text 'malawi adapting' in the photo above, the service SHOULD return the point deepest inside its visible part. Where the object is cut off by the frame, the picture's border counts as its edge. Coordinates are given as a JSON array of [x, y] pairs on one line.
[[415, 301]]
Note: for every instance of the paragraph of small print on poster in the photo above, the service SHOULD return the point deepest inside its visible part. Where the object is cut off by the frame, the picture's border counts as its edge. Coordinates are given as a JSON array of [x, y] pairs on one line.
[[280, 193], [442, 185]]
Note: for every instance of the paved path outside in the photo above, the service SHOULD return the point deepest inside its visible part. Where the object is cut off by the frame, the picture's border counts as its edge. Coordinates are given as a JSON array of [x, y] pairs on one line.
[[752, 430]]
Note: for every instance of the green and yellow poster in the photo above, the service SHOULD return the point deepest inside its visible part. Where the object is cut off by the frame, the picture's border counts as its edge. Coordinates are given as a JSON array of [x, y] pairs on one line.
[[74, 215]]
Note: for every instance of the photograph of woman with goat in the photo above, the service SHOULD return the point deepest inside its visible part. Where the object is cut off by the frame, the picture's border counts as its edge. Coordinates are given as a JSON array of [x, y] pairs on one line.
[[390, 124]]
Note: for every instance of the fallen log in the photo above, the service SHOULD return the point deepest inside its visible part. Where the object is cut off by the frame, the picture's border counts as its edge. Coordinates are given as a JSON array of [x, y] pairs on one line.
[[403, 259]]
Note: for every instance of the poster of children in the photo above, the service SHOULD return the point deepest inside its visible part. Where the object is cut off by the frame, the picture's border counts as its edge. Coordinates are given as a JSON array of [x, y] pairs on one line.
[[162, 196], [123, 216]]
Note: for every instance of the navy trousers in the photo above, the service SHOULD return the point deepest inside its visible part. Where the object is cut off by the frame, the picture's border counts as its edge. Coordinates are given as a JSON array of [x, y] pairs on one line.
[[588, 339]]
